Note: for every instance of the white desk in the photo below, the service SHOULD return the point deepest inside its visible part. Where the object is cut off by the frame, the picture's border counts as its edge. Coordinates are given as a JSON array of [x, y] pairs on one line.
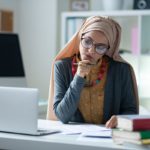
[[55, 141]]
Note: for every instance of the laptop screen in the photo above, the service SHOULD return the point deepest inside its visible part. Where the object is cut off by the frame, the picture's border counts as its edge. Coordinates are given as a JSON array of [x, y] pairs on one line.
[[11, 64]]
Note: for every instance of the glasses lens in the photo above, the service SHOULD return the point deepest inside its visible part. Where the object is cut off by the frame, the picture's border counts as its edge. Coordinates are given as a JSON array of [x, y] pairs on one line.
[[101, 49], [87, 43]]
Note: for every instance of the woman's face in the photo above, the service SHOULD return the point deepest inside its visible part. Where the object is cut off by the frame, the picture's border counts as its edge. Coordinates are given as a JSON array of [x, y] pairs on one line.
[[93, 45]]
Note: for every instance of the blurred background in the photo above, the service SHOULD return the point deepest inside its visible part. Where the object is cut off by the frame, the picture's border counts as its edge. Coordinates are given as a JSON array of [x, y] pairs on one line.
[[41, 28]]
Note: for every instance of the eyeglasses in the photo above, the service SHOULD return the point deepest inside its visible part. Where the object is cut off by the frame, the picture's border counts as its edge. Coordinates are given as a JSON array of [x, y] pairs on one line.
[[100, 48]]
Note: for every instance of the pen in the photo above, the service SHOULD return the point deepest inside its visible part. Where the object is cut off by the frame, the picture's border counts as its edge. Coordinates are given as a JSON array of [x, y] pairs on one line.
[[76, 64]]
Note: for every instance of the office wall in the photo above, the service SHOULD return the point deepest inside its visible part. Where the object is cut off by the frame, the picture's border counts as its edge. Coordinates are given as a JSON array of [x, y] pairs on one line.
[[37, 29]]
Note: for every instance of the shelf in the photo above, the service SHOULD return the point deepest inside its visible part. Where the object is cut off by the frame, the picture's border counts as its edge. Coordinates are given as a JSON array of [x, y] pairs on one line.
[[108, 13]]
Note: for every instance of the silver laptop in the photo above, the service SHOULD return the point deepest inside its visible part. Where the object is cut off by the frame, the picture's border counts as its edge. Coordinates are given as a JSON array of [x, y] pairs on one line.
[[19, 111]]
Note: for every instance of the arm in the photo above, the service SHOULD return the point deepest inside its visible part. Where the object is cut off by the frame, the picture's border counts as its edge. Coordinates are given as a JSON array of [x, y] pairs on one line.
[[66, 96]]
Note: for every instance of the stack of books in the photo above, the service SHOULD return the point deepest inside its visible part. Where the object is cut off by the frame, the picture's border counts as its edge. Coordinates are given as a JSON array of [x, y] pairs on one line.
[[133, 129]]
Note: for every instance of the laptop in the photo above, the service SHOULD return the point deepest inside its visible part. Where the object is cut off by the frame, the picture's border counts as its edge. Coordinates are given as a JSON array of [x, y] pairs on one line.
[[19, 111]]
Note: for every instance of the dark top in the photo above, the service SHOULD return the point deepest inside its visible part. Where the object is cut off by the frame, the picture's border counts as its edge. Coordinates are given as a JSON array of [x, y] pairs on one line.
[[119, 95]]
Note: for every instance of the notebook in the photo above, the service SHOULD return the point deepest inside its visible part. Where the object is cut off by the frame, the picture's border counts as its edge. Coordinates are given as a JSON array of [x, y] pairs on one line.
[[19, 111]]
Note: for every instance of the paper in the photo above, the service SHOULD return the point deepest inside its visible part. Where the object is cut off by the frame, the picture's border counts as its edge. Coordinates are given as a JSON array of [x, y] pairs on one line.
[[77, 128], [84, 129], [100, 134]]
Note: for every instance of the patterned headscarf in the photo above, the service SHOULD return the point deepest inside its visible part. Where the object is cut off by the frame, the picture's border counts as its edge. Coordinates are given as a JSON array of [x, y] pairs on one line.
[[111, 30]]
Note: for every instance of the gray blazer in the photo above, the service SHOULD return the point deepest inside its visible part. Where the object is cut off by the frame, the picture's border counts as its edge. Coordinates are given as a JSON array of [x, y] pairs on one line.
[[118, 96]]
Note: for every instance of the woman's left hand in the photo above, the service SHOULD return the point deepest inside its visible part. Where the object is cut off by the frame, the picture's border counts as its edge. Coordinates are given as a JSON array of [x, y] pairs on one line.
[[112, 122]]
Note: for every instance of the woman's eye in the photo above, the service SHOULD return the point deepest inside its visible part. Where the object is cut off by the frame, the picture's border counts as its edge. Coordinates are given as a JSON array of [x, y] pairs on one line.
[[88, 42], [101, 48]]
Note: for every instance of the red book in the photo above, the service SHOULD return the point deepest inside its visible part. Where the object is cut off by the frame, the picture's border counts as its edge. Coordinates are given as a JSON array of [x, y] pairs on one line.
[[134, 122]]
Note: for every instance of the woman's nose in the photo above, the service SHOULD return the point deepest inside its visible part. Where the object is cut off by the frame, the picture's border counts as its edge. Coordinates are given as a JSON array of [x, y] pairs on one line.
[[91, 50]]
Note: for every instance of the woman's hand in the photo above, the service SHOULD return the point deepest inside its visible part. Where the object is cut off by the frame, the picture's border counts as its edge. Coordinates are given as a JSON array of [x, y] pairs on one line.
[[112, 122], [84, 68]]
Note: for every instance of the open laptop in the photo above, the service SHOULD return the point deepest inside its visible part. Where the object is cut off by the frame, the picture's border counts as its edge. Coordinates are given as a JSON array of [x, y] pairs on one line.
[[19, 111]]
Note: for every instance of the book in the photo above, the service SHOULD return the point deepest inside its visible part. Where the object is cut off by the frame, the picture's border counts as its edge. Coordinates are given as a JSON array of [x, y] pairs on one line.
[[133, 135], [71, 29], [119, 140], [133, 122], [137, 146], [134, 41]]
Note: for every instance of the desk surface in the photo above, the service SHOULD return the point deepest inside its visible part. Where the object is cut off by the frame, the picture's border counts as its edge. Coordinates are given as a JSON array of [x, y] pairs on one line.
[[57, 141]]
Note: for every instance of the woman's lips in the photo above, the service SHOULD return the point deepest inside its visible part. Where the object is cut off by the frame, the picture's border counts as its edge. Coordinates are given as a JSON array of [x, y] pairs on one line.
[[88, 57]]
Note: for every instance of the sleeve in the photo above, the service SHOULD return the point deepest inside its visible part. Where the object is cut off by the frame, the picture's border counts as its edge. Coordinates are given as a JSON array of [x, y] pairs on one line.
[[66, 98], [128, 101]]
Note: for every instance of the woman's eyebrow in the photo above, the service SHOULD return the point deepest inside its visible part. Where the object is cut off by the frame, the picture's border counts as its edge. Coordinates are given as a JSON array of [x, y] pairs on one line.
[[93, 40]]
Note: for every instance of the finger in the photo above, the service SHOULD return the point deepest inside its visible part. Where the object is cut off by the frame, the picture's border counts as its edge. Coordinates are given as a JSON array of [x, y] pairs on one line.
[[84, 67], [81, 64], [112, 122], [87, 62], [107, 125]]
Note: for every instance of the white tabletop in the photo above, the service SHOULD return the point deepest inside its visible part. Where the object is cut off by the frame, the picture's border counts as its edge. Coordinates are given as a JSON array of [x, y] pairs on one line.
[[56, 141]]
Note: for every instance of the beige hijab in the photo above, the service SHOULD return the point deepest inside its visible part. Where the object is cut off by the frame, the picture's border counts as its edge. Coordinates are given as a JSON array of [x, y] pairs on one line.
[[112, 31]]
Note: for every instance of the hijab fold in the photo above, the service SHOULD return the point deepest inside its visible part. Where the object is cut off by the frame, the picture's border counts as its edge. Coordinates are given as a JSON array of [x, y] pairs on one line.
[[111, 30]]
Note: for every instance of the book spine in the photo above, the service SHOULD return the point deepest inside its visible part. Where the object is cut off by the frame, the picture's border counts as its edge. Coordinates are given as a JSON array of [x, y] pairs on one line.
[[71, 29], [145, 141], [134, 41], [142, 124], [145, 134]]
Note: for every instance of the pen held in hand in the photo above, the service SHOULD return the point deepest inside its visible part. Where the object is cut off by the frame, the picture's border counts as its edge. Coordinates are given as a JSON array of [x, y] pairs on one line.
[[76, 64]]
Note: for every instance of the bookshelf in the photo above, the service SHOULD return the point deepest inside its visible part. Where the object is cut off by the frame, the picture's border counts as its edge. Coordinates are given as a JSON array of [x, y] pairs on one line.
[[135, 39]]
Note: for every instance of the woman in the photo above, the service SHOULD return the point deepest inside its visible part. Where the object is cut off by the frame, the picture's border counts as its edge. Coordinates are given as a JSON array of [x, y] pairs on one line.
[[91, 83]]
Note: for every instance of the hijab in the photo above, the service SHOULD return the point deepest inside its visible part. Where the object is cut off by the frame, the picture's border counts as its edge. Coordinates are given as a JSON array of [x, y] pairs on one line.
[[111, 30]]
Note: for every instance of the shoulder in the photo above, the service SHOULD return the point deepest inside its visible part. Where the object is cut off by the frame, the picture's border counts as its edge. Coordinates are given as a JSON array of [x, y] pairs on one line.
[[63, 62], [63, 65], [119, 68], [120, 65]]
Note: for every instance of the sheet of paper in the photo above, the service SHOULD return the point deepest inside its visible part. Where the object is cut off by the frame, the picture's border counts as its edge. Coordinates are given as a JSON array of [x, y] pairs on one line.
[[82, 128], [99, 133], [75, 128]]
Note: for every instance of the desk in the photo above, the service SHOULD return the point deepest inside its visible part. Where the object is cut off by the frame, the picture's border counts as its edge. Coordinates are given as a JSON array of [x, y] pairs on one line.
[[55, 141]]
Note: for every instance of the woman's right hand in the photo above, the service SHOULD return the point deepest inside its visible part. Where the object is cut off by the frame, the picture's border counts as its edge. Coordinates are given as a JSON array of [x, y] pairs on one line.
[[84, 68]]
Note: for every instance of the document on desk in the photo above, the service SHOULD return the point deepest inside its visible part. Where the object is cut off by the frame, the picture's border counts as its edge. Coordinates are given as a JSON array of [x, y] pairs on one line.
[[77, 128], [99, 134], [96, 135], [88, 130]]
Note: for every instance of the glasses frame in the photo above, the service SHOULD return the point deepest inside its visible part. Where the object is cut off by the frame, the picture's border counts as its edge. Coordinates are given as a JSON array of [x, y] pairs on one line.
[[94, 45]]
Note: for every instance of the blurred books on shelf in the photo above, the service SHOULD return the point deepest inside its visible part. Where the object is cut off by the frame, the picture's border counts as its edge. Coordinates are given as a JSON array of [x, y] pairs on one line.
[[146, 51], [134, 41], [122, 51], [73, 24]]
